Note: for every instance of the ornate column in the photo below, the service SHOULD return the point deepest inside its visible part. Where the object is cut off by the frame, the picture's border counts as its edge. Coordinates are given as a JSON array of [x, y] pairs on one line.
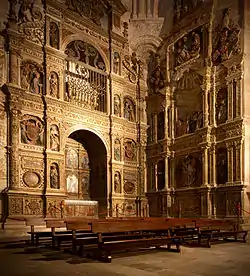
[[13, 67], [154, 127], [166, 122], [213, 96], [230, 162], [230, 100], [155, 177], [166, 174], [238, 97], [172, 171], [149, 13], [142, 11], [212, 166], [156, 7], [205, 166], [14, 141], [239, 161], [109, 185], [134, 14]]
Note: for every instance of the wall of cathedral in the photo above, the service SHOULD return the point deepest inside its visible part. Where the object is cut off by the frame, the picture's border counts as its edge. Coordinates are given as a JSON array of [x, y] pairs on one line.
[[196, 82]]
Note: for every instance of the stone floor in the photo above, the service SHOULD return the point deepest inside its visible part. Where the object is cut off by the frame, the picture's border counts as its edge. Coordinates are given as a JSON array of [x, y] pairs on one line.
[[230, 259]]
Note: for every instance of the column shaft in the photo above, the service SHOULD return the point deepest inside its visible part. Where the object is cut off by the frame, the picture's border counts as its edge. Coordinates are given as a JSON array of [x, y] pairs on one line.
[[14, 70], [166, 173], [205, 167], [230, 163], [239, 161], [230, 101], [134, 9], [149, 13], [156, 7], [142, 10]]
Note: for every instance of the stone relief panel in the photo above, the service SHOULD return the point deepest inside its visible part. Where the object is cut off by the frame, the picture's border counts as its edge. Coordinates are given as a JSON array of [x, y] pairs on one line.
[[93, 10], [116, 63], [16, 206], [129, 186], [117, 106], [84, 52], [221, 166], [221, 106], [188, 97], [226, 40], [72, 184], [188, 47], [33, 206], [54, 176], [31, 20], [129, 109], [117, 150], [32, 130], [54, 85], [85, 178], [31, 77], [117, 182], [54, 138], [71, 158], [54, 35], [129, 150], [189, 171]]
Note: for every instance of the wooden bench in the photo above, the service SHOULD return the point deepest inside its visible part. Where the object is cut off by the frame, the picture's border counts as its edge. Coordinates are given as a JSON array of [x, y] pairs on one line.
[[215, 230], [141, 234], [36, 235]]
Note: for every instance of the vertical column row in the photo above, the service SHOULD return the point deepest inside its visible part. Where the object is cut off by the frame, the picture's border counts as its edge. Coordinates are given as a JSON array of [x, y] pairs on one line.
[[145, 9]]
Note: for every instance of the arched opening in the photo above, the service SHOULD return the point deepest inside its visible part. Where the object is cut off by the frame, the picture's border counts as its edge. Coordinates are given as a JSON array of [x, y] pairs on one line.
[[86, 169]]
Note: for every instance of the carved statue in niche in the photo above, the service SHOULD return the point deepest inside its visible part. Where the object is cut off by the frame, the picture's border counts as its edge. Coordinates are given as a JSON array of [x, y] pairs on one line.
[[54, 176], [54, 85], [227, 40], [72, 184], [84, 52], [129, 110], [130, 150], [117, 106], [116, 63], [188, 47], [32, 130], [85, 184], [54, 35], [221, 171], [157, 80], [71, 158], [188, 172], [31, 77], [117, 182], [117, 150], [54, 138], [85, 162], [221, 106]]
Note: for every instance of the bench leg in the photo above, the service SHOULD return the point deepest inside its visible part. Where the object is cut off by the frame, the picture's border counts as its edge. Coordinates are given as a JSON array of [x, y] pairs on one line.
[[208, 244], [178, 247], [245, 237], [37, 240], [32, 239]]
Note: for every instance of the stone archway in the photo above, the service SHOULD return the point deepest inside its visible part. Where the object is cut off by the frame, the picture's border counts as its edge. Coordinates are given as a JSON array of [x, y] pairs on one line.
[[86, 168]]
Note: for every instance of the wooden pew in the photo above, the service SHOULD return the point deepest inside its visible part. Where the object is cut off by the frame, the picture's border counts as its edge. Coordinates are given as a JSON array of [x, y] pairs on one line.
[[214, 230], [141, 234], [36, 235]]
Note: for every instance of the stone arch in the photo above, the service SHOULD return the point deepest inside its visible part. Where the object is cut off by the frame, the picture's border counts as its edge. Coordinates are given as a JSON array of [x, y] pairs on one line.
[[77, 127], [89, 40]]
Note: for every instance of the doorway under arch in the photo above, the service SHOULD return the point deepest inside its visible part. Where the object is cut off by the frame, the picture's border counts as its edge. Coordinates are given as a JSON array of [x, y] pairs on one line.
[[86, 168]]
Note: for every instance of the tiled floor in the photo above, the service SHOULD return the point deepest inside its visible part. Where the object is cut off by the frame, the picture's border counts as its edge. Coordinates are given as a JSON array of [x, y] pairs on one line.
[[230, 259]]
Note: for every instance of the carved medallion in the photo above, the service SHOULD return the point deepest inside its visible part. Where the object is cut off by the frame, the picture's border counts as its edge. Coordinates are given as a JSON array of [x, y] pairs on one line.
[[129, 188], [130, 150], [31, 179]]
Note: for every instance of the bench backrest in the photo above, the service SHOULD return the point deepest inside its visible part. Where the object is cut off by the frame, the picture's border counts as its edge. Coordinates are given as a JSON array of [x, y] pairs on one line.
[[78, 225], [35, 222], [220, 224], [55, 224], [127, 226]]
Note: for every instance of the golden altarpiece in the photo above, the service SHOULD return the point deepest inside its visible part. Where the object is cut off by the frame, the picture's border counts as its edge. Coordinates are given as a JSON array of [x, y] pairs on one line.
[[198, 145], [107, 114]]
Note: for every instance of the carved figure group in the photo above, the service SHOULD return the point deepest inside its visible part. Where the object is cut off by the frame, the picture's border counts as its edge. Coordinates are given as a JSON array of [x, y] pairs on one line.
[[188, 47], [190, 125], [32, 131], [71, 158], [129, 110], [183, 7], [157, 80], [31, 77], [227, 41], [130, 150], [72, 184]]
